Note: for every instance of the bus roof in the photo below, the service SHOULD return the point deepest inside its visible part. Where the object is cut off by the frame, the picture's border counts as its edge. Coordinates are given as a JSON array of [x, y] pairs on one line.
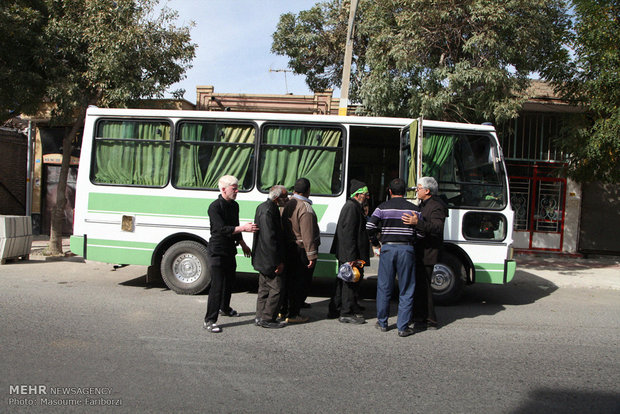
[[263, 116]]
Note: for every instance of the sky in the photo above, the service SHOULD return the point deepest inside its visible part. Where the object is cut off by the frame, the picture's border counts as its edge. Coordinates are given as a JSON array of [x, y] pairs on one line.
[[234, 46]]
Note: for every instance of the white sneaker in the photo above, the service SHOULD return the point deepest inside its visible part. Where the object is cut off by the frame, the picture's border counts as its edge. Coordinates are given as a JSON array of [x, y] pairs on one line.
[[212, 327]]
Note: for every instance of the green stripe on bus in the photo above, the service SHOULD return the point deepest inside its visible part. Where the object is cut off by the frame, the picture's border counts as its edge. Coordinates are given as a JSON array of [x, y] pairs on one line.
[[511, 269], [76, 244], [171, 206], [327, 265], [119, 251], [119, 255], [489, 273], [140, 253], [122, 243]]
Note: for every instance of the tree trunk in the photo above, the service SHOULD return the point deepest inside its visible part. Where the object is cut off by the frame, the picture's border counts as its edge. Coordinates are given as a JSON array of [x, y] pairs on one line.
[[55, 244]]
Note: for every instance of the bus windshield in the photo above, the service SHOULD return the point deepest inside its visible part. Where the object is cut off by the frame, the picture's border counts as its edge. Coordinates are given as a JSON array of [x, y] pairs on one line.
[[467, 167]]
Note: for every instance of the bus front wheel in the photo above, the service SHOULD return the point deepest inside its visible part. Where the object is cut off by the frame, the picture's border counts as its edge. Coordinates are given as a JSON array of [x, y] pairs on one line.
[[185, 267], [448, 280]]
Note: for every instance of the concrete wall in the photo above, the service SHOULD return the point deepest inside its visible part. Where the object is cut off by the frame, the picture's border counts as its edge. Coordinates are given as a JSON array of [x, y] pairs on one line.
[[572, 217]]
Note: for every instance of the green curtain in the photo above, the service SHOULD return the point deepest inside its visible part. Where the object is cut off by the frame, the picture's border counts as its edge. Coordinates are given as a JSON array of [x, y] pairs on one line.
[[201, 166], [413, 157], [285, 164], [131, 162], [279, 164], [187, 166], [230, 160], [437, 148]]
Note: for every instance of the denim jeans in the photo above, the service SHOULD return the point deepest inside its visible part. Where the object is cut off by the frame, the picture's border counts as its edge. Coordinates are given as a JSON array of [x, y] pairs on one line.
[[396, 259]]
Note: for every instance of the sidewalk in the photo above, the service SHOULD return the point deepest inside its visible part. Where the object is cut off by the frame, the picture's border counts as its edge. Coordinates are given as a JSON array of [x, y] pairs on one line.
[[40, 242], [593, 272]]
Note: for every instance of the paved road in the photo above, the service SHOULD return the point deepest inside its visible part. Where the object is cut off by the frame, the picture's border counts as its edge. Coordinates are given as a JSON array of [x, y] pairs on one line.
[[530, 346]]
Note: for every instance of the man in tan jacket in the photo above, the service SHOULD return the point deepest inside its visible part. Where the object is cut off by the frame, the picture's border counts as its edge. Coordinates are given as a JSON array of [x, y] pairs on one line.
[[302, 236]]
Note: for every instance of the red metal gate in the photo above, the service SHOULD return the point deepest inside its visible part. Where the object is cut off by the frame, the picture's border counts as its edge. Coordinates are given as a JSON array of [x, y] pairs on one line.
[[538, 198]]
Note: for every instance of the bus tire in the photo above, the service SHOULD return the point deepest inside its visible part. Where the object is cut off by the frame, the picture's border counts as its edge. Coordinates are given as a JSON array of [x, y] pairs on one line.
[[185, 267], [448, 280]]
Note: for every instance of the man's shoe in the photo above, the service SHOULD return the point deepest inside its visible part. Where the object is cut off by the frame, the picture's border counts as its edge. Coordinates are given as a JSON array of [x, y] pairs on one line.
[[271, 324], [230, 312], [432, 325], [257, 321], [381, 328], [297, 319], [212, 327], [352, 319], [407, 332]]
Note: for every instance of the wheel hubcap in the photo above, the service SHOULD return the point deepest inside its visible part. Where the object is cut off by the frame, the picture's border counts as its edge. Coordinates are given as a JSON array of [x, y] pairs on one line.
[[442, 278], [187, 268]]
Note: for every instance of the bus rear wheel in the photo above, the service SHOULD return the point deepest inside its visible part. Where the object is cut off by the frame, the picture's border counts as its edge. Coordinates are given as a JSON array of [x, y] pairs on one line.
[[185, 268], [448, 280]]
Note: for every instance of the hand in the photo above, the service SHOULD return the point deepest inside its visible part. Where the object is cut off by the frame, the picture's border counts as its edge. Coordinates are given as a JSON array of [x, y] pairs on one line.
[[312, 264], [249, 227], [410, 219], [247, 252], [279, 269]]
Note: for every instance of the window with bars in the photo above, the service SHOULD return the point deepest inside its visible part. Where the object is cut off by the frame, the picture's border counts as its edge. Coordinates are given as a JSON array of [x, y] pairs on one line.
[[534, 136]]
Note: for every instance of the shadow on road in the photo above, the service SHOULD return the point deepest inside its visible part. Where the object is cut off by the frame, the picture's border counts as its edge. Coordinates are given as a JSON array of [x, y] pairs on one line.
[[477, 299], [569, 401], [486, 299]]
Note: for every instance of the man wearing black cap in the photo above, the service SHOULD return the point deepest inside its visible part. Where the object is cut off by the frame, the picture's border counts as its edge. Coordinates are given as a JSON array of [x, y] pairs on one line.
[[351, 244], [302, 239]]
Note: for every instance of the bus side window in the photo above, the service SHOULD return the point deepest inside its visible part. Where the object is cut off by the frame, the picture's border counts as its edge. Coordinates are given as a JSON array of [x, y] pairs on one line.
[[290, 152], [205, 151], [131, 153]]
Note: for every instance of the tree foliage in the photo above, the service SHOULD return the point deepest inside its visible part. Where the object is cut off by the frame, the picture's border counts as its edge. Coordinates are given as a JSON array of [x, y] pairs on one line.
[[91, 52], [591, 78], [467, 61], [111, 53], [22, 56]]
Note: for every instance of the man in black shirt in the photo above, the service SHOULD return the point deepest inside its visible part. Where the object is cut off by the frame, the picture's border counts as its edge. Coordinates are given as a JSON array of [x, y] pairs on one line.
[[225, 236], [429, 228]]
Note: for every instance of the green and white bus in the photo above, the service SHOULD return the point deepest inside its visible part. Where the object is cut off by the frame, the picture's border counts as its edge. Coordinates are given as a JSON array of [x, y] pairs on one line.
[[146, 179]]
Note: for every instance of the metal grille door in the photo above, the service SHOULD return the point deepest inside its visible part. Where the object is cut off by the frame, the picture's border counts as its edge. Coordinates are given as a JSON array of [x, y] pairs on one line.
[[538, 199]]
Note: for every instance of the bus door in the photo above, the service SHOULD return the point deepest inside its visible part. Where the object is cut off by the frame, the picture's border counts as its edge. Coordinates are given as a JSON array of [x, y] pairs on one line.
[[373, 158]]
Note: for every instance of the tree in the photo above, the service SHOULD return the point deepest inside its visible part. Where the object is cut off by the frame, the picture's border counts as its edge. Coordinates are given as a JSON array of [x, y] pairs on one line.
[[22, 56], [105, 53], [446, 59], [590, 78]]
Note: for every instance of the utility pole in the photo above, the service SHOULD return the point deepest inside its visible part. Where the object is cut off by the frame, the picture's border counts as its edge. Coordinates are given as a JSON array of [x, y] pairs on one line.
[[282, 70], [346, 67]]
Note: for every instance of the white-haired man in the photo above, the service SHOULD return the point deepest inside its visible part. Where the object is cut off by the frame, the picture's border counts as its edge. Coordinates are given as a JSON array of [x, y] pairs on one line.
[[222, 248], [429, 229]]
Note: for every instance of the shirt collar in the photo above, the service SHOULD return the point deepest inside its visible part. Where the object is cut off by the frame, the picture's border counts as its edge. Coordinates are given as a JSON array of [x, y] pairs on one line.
[[300, 197]]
